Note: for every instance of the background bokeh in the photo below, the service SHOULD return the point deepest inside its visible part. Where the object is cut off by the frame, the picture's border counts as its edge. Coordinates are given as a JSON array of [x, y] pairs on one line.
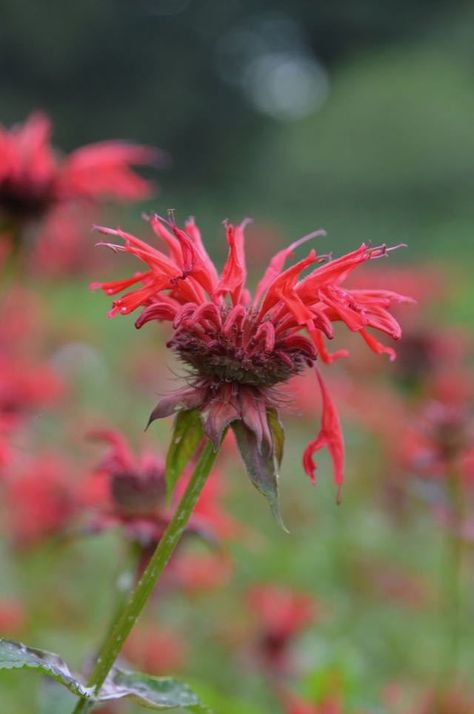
[[353, 115]]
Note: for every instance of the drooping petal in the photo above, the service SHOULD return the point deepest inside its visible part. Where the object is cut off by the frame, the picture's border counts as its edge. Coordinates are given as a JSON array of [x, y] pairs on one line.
[[329, 436], [160, 311], [377, 346], [327, 357]]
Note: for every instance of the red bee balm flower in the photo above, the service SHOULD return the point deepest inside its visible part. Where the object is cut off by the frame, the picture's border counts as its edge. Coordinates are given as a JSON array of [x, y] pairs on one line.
[[33, 178], [239, 349]]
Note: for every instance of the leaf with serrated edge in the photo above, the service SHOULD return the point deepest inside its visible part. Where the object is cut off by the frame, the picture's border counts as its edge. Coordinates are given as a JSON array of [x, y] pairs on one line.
[[14, 655], [261, 468], [151, 692], [187, 433]]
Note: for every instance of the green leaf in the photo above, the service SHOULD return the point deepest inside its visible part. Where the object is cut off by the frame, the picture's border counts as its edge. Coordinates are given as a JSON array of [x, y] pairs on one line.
[[278, 434], [187, 434], [261, 467], [54, 699], [14, 655], [151, 692]]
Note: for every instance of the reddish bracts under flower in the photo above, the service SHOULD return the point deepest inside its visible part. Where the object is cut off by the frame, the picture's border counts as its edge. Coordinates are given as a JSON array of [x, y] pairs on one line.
[[240, 350]]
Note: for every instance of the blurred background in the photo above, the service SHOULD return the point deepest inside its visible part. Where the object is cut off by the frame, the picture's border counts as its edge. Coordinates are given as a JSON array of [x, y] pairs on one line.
[[354, 115], [357, 117]]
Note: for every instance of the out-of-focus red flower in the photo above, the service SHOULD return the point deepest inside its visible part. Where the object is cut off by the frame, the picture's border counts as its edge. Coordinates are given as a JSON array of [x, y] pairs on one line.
[[63, 244], [199, 573], [241, 349], [127, 490], [155, 651], [130, 491], [25, 387], [12, 617], [281, 615], [458, 701], [390, 581], [41, 499], [439, 441], [293, 704], [34, 178], [42, 193], [22, 324]]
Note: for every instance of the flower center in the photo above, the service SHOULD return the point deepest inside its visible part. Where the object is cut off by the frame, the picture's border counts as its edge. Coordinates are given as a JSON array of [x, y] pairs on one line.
[[236, 347]]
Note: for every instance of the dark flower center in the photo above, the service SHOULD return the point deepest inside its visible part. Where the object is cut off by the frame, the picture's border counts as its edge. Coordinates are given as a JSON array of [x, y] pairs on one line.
[[25, 201], [137, 494], [247, 351]]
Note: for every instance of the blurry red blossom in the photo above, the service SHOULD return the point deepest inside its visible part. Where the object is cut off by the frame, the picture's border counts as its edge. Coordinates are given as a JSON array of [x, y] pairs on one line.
[[198, 573], [155, 650], [280, 614], [456, 701], [41, 499], [12, 617], [292, 704], [439, 441], [129, 490], [25, 388], [36, 181], [33, 177]]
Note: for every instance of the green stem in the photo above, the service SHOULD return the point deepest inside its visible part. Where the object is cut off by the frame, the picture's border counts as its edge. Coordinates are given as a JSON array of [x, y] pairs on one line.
[[453, 572], [129, 614]]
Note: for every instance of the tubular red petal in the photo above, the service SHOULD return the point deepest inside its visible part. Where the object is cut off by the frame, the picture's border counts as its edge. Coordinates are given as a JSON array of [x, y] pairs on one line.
[[329, 436], [326, 356], [160, 311], [377, 346], [285, 282], [234, 272], [277, 264]]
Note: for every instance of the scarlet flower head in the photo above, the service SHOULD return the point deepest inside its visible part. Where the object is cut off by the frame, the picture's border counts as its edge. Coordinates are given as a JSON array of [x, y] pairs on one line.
[[127, 489], [240, 349], [34, 179]]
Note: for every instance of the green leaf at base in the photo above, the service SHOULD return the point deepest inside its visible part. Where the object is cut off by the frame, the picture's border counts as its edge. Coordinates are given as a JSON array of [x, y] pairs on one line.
[[14, 655], [187, 433], [151, 692]]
